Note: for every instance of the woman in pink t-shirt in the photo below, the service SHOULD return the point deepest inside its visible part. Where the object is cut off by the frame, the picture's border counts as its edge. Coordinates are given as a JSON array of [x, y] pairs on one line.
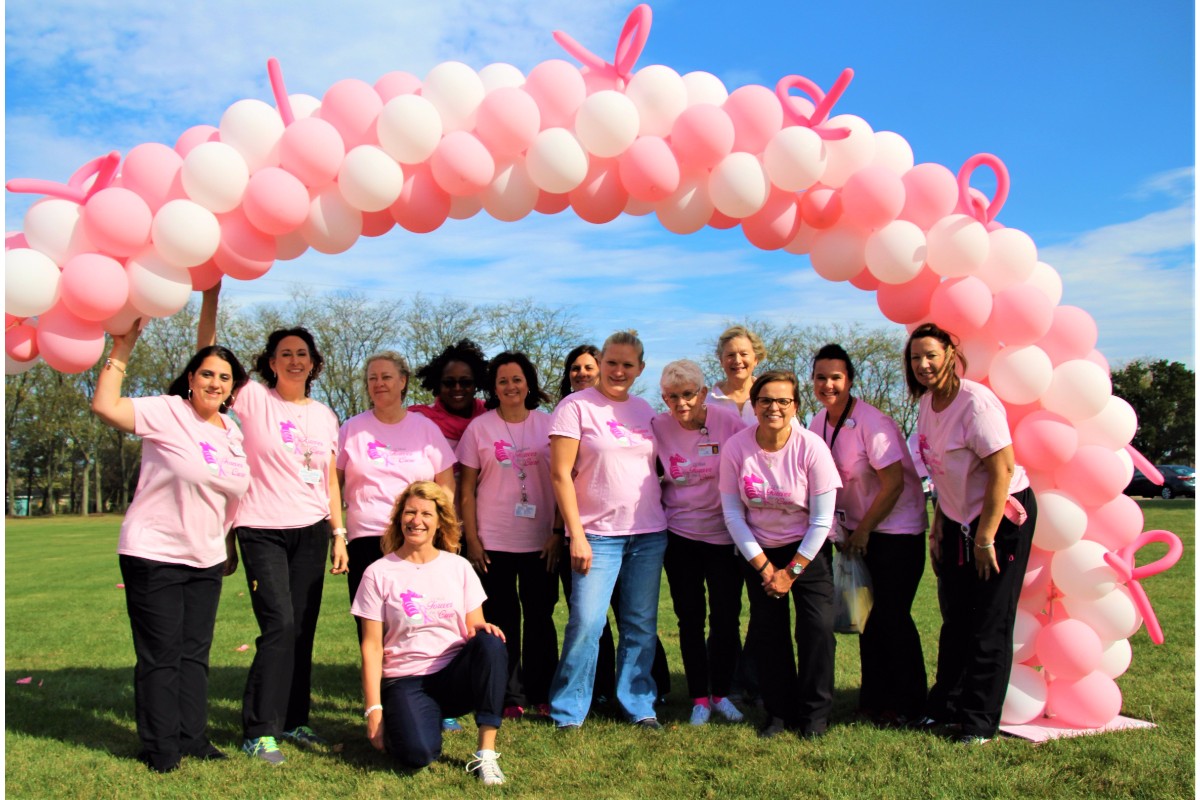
[[778, 490], [380, 452], [175, 545], [739, 351], [981, 536], [602, 458], [508, 519], [881, 509], [427, 652], [700, 558]]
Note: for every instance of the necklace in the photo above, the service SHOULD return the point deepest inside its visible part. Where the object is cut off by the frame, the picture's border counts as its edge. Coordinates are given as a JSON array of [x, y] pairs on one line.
[[518, 448]]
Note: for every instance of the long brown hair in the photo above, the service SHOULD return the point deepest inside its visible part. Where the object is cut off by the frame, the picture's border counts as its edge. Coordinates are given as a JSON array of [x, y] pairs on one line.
[[954, 359], [448, 532]]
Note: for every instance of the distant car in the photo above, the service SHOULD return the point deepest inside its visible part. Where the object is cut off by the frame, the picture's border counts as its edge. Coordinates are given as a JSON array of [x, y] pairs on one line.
[[1178, 481]]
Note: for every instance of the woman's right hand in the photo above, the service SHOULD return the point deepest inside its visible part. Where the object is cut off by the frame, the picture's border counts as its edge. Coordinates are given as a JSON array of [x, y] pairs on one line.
[[123, 342], [375, 729], [581, 554], [477, 555]]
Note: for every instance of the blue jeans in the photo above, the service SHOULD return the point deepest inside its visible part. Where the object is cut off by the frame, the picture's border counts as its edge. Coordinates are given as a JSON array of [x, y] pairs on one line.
[[637, 561]]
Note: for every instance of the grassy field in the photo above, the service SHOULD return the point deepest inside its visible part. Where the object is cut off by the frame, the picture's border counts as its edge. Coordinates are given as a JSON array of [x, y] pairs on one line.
[[70, 731]]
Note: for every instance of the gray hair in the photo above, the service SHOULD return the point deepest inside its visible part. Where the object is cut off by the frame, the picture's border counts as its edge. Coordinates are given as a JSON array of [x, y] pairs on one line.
[[399, 361], [741, 332], [683, 372]]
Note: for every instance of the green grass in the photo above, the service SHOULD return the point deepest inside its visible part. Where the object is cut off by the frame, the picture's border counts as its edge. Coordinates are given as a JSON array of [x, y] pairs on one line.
[[71, 732]]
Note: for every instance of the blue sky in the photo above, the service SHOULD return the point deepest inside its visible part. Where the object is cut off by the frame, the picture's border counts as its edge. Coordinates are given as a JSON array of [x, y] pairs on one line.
[[1090, 105]]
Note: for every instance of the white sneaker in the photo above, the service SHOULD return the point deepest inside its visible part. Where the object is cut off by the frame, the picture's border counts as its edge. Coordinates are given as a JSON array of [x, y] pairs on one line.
[[700, 714], [728, 710], [487, 767]]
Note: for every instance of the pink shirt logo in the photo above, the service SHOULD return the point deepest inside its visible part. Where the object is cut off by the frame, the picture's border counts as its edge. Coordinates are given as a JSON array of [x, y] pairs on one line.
[[408, 601], [755, 489], [677, 464], [504, 452], [210, 458], [286, 429], [620, 433], [932, 465], [377, 452]]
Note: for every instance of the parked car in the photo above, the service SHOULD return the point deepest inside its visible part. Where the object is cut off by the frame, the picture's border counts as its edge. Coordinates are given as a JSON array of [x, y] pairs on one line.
[[1178, 481]]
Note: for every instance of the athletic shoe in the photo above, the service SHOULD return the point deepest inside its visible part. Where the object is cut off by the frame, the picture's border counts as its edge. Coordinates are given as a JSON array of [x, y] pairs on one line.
[[208, 753], [968, 739], [158, 763], [728, 710], [649, 723], [451, 725], [513, 712], [700, 714], [304, 737], [772, 728], [263, 748], [486, 766]]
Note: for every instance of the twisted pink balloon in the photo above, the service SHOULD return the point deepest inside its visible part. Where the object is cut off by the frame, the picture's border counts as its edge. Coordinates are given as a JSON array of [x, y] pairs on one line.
[[824, 102], [103, 167], [275, 74], [967, 204], [1124, 564], [1143, 464], [629, 47]]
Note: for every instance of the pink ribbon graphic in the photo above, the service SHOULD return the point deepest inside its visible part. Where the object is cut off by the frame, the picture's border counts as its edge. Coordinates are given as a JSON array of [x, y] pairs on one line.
[[629, 47], [823, 105], [973, 206], [1124, 564]]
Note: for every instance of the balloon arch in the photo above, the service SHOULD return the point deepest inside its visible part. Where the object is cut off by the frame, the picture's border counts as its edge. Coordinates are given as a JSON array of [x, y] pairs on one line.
[[134, 239]]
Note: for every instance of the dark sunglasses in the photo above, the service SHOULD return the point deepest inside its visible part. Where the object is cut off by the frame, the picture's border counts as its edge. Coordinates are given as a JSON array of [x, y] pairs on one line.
[[462, 383]]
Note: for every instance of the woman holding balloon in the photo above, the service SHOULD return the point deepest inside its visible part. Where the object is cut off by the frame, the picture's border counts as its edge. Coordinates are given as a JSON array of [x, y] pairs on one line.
[[982, 533]]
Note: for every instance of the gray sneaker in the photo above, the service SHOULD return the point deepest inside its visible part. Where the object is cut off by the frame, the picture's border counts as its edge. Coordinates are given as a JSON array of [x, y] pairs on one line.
[[304, 737], [486, 766], [263, 748]]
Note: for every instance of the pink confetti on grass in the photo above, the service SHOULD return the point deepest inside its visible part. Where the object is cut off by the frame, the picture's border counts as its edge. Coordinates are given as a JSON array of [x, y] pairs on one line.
[[25, 681], [120, 586], [243, 648]]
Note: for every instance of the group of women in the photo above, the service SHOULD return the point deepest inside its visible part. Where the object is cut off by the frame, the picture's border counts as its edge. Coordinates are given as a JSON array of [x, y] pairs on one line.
[[725, 489]]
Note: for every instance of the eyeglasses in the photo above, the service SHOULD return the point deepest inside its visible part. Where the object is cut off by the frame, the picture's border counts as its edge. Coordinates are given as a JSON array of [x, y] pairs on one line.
[[462, 383], [686, 397], [767, 402]]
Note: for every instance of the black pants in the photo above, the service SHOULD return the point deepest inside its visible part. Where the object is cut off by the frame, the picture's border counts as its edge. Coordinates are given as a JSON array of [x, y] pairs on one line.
[[285, 571], [413, 707], [893, 666], [606, 661], [691, 567], [362, 551], [521, 596], [975, 644], [797, 688], [172, 611]]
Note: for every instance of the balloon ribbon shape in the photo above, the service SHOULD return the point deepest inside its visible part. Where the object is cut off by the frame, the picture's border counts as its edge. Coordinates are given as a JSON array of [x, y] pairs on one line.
[[103, 167], [824, 102], [1124, 564], [973, 206], [1143, 464], [629, 47]]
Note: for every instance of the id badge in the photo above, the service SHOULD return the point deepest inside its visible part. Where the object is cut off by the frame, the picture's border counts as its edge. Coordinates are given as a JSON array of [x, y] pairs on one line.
[[839, 532], [310, 476], [237, 450], [709, 449], [525, 510]]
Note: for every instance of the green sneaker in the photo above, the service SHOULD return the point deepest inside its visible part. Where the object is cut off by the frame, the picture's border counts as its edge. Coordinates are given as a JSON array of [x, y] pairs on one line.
[[263, 748], [304, 737]]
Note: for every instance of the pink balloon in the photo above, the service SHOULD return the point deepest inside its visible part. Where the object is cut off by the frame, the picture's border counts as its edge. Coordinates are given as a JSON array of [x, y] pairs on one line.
[[20, 342], [930, 193], [872, 197], [68, 343], [558, 89], [276, 202], [1036, 583], [1019, 411], [722, 222], [377, 223], [601, 197], [838, 254], [205, 276], [1093, 476], [1020, 315], [821, 207], [549, 203], [1044, 441], [1116, 523], [152, 171], [776, 223], [507, 122], [117, 221], [978, 350], [422, 205], [1026, 628], [866, 281], [756, 115], [1092, 701], [461, 165], [245, 253], [648, 169], [961, 305], [93, 287], [1069, 649], [352, 107], [1072, 334], [195, 136], [701, 136], [312, 150], [394, 84], [907, 302]]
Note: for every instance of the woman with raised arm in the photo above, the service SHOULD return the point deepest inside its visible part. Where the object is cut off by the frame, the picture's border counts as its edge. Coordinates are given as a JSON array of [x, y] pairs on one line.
[[175, 545], [427, 652], [739, 351], [982, 532], [289, 519], [881, 510]]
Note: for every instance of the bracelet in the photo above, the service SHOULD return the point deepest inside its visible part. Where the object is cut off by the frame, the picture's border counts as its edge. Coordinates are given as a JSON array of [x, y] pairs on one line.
[[376, 707], [766, 564], [987, 546], [108, 362], [339, 532]]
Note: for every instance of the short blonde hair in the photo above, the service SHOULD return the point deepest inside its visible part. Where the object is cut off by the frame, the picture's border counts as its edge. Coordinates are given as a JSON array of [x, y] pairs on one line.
[[448, 532], [742, 332]]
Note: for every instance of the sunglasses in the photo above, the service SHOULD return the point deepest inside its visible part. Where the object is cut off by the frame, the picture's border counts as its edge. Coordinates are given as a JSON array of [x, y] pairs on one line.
[[462, 383]]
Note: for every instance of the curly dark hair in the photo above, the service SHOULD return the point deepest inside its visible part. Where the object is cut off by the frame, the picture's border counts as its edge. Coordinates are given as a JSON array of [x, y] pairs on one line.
[[179, 386], [262, 362], [532, 400], [465, 351]]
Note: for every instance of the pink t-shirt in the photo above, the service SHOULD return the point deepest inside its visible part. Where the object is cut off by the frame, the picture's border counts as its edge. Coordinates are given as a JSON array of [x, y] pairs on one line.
[[288, 489], [193, 474], [423, 608], [692, 463], [615, 481], [380, 460], [500, 451], [774, 487], [871, 440], [955, 441]]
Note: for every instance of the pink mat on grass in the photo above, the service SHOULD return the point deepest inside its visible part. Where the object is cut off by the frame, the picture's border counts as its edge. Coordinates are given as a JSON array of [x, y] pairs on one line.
[[1046, 729]]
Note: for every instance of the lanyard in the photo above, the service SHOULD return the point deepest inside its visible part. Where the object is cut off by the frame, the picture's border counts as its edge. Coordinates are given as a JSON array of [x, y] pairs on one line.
[[841, 421]]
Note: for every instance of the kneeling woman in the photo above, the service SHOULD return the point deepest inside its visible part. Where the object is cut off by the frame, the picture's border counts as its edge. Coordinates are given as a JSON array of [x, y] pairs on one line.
[[427, 652]]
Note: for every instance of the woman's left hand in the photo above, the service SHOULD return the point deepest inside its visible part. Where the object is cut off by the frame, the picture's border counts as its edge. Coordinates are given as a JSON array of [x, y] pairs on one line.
[[338, 557], [857, 543], [780, 584], [985, 561], [486, 627], [551, 552]]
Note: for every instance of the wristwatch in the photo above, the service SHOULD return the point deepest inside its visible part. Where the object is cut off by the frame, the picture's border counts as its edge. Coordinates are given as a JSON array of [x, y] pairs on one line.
[[795, 568]]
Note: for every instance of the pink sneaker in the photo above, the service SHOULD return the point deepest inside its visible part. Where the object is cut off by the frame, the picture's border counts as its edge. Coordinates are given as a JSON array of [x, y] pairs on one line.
[[513, 712]]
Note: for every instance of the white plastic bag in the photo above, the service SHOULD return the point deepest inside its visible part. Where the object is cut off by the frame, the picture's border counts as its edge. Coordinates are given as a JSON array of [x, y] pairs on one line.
[[852, 594]]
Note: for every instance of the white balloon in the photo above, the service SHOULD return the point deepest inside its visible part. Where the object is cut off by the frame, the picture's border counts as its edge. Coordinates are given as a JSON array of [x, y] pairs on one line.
[[838, 254], [1113, 427], [738, 185], [215, 175], [13, 367], [333, 226], [1020, 374], [304, 105], [893, 152], [253, 129], [456, 91], [1126, 464], [795, 158], [31, 282], [123, 320], [1115, 658], [409, 128], [1061, 522], [607, 123], [1047, 279], [847, 156], [156, 288], [1081, 571], [1025, 699], [54, 227], [556, 161], [1011, 259], [958, 246], [370, 179], [689, 207], [704, 87], [660, 96], [512, 194], [1026, 627], [1079, 389], [499, 75], [896, 252], [1113, 616], [185, 234]]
